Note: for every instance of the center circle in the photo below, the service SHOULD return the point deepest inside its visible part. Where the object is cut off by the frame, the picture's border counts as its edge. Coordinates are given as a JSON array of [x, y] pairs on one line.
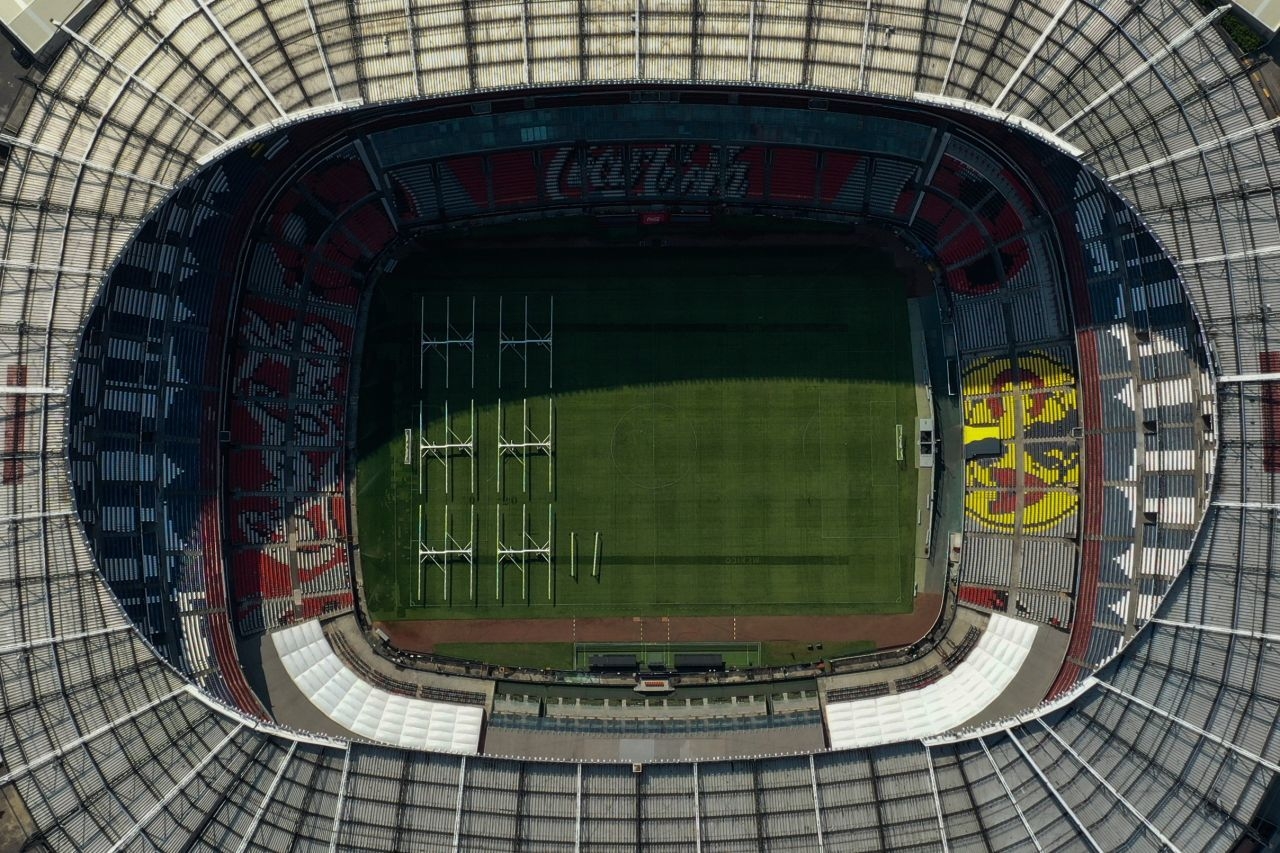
[[653, 446]]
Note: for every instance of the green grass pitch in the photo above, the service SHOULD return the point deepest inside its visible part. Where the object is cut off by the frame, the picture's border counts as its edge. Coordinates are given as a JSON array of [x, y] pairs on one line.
[[724, 420]]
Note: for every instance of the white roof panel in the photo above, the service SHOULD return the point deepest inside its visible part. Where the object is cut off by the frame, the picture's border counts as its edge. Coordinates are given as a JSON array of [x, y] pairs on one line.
[[366, 709], [1264, 13], [31, 21], [943, 705]]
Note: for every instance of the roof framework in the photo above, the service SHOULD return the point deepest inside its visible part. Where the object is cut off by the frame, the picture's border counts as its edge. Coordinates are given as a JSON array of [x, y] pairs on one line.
[[1172, 748]]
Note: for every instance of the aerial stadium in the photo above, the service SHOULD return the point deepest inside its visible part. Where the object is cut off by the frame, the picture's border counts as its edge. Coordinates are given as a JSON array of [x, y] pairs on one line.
[[683, 425]]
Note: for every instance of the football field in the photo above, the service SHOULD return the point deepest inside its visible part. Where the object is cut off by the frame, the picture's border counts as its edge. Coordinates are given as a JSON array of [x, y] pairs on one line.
[[607, 432]]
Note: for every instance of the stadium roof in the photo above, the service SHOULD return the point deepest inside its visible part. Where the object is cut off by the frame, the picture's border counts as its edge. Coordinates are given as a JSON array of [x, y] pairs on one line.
[[1172, 747]]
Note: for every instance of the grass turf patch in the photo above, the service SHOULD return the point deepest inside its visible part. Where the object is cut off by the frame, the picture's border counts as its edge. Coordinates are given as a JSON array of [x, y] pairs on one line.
[[782, 654], [530, 655], [723, 421]]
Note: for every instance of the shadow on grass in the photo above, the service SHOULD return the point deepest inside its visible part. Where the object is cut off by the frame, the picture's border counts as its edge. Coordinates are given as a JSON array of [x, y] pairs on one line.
[[624, 316]]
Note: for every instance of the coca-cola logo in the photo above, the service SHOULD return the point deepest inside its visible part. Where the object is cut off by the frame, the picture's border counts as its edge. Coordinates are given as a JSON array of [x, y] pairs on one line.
[[688, 170]]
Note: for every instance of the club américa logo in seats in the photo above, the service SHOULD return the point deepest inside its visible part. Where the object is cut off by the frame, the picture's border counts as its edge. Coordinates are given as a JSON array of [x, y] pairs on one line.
[[1018, 418]]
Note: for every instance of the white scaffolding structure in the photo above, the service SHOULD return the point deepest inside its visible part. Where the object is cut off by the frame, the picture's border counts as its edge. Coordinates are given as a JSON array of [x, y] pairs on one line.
[[519, 556], [530, 336], [453, 446], [529, 442], [441, 346], [451, 549]]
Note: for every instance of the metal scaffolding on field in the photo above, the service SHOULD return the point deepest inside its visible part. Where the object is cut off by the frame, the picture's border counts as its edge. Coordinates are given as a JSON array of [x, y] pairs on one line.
[[442, 345], [452, 446], [440, 557], [528, 547], [528, 442], [529, 336]]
